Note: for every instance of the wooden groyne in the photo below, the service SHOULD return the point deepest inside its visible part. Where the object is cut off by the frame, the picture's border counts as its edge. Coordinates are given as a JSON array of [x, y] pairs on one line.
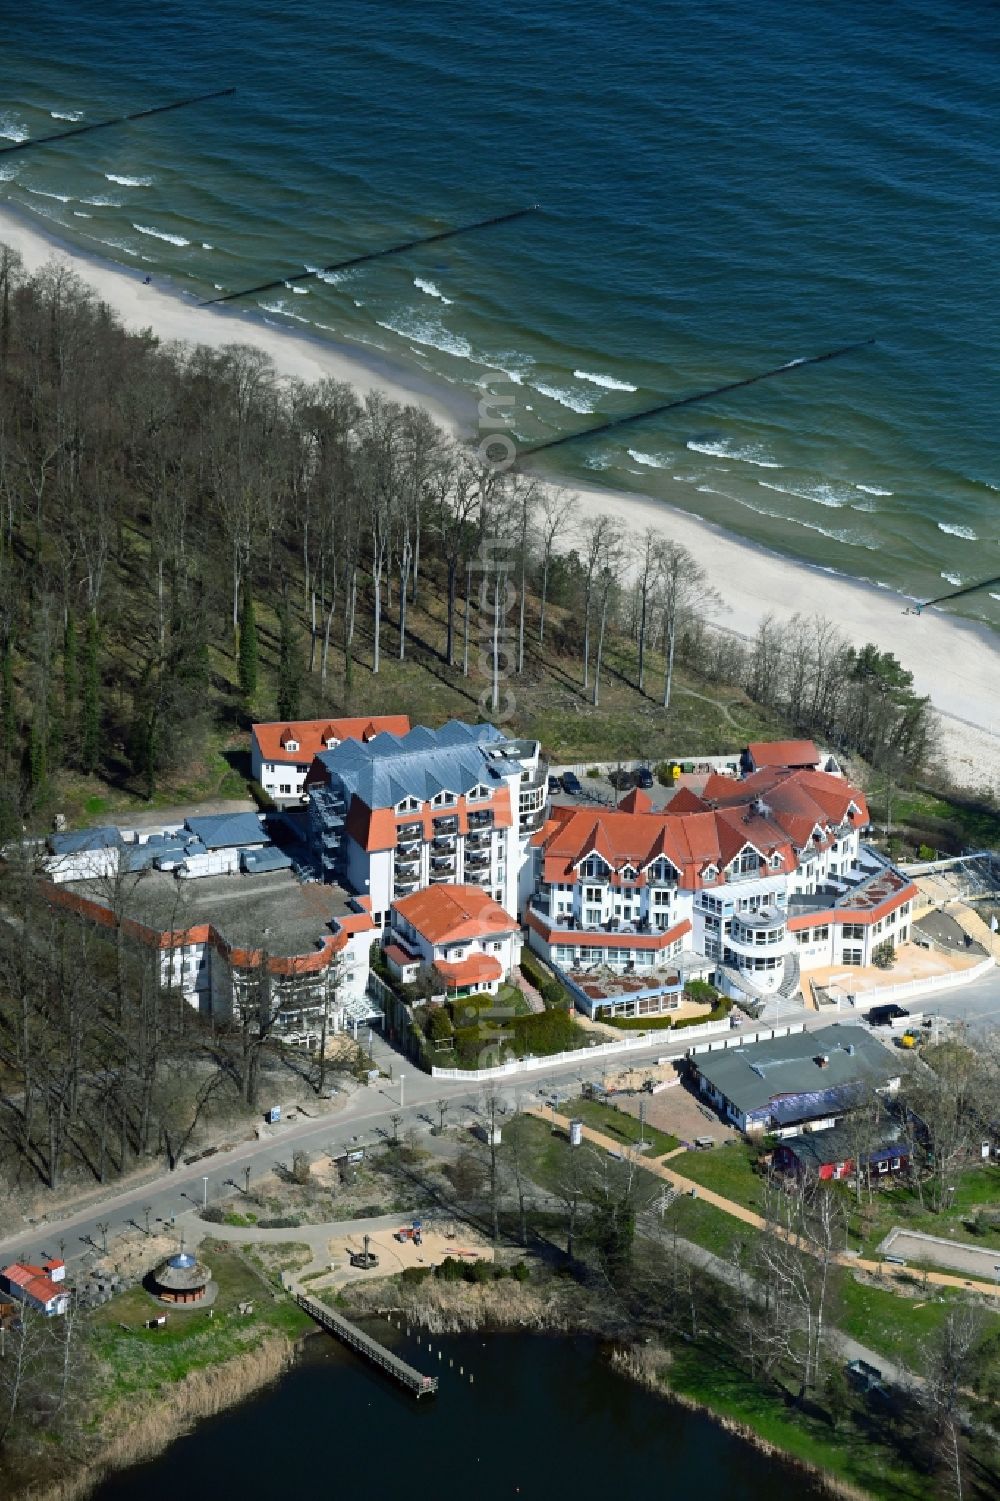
[[407, 1375]]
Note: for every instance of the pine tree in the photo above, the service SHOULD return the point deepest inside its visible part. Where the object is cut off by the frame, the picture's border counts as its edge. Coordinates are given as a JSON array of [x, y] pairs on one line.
[[247, 660], [289, 666], [90, 696]]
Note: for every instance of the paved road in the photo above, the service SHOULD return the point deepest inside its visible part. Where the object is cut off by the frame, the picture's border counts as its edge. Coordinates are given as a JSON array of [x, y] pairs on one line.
[[366, 1116]]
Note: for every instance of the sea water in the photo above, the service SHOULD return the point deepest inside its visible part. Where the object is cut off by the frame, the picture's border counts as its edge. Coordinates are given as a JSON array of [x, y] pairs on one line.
[[723, 188]]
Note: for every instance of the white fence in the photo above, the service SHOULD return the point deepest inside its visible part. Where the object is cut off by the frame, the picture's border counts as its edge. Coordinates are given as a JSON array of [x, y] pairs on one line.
[[580, 1056], [922, 987], [741, 1039]]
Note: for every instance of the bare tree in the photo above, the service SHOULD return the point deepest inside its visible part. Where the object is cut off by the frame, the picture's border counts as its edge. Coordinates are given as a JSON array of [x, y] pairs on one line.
[[556, 512]]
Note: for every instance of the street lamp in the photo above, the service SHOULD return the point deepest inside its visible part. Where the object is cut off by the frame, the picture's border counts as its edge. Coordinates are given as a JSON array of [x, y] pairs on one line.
[[401, 1089], [204, 1197]]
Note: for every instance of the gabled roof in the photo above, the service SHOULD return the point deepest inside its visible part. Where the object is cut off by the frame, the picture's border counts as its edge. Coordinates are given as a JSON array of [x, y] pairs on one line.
[[383, 772], [313, 734], [636, 801], [783, 753], [33, 1280], [451, 914], [762, 1074], [80, 840], [816, 1149]]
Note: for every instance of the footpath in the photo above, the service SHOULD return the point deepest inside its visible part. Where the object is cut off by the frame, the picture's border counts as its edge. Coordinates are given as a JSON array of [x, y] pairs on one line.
[[749, 1217]]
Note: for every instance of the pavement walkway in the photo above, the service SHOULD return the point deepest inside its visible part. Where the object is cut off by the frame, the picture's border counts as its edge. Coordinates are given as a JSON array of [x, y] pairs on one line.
[[750, 1217]]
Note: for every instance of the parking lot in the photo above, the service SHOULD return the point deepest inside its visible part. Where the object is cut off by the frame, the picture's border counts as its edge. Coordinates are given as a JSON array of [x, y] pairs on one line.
[[599, 790], [677, 1110]]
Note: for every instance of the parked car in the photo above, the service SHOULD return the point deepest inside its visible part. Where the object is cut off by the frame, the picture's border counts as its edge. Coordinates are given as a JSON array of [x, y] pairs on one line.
[[644, 777], [571, 784], [884, 1016], [621, 779]]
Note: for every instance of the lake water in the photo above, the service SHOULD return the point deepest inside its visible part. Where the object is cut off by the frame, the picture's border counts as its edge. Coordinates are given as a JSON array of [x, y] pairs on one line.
[[544, 1418], [724, 188]]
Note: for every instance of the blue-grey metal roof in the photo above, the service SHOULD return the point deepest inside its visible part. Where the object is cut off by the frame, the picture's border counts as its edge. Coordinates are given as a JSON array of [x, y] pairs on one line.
[[79, 840], [219, 831], [256, 861], [759, 1075], [383, 771], [139, 856]]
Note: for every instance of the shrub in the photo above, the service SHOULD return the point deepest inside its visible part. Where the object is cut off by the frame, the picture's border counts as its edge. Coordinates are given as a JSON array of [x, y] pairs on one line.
[[478, 1271], [520, 1271], [415, 1274], [280, 1222], [593, 771], [924, 852], [701, 991], [301, 1170], [264, 801], [439, 1025], [639, 1023], [665, 773], [545, 982], [450, 1270], [884, 957]]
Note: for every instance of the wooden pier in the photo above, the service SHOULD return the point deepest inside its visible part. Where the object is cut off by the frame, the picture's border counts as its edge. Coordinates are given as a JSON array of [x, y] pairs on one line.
[[364, 1344]]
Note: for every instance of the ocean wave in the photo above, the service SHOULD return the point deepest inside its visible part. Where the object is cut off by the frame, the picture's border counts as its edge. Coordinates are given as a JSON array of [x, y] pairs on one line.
[[9, 171], [206, 246], [129, 182], [822, 495], [279, 307], [67, 114], [79, 214], [161, 234], [299, 291], [723, 449], [651, 460], [599, 461], [103, 200], [872, 490], [566, 396], [330, 278], [423, 285], [958, 531], [607, 381], [994, 596], [115, 245], [41, 193], [411, 323], [12, 129], [952, 578]]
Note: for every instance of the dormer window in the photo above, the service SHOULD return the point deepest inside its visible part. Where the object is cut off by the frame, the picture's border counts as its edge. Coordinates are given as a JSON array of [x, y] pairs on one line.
[[775, 860], [710, 872], [628, 872], [443, 800], [594, 866], [478, 794], [408, 805], [291, 746], [331, 742]]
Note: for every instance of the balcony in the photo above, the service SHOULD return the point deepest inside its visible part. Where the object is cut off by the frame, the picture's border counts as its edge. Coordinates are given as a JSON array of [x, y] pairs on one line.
[[440, 863], [409, 831], [447, 825], [405, 862], [477, 859], [477, 877], [480, 822], [443, 846], [404, 884], [529, 822]]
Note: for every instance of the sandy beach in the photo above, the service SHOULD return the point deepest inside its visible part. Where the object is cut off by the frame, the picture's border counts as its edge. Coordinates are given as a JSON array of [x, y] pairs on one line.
[[957, 664]]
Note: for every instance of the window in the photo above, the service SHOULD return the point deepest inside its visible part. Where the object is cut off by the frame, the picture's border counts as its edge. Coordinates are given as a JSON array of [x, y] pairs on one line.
[[285, 789], [408, 805], [594, 866], [821, 934], [478, 794], [853, 930], [853, 956], [443, 799], [291, 745], [593, 893]]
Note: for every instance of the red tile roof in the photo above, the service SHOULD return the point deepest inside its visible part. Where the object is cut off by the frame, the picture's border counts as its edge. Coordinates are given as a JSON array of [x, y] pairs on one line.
[[312, 734], [33, 1281], [777, 812], [448, 914], [475, 970], [783, 753]]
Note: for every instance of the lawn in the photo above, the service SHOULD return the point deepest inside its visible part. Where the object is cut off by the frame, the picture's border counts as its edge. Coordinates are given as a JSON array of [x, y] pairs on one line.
[[137, 1360], [624, 1128], [704, 1225], [849, 1451], [727, 1170], [977, 1188], [897, 1327]]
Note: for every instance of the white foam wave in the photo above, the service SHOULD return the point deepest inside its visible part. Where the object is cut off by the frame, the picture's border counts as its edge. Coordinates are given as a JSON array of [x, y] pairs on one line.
[[821, 496], [413, 324], [299, 291], [67, 114], [651, 460], [13, 129], [161, 234], [79, 214], [280, 307], [994, 596], [958, 531], [952, 578], [599, 461], [872, 490], [206, 246], [9, 171], [41, 193], [723, 449], [115, 245], [103, 200], [566, 397], [129, 182], [607, 381], [423, 285]]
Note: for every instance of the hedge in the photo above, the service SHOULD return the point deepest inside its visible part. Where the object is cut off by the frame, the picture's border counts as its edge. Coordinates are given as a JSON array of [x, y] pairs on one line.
[[638, 1023], [540, 1034], [548, 987]]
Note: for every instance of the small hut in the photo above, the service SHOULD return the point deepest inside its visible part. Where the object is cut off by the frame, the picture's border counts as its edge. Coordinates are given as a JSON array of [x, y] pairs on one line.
[[181, 1279]]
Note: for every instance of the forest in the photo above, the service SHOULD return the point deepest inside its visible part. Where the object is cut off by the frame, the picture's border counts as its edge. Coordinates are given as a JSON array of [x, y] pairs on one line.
[[189, 541]]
